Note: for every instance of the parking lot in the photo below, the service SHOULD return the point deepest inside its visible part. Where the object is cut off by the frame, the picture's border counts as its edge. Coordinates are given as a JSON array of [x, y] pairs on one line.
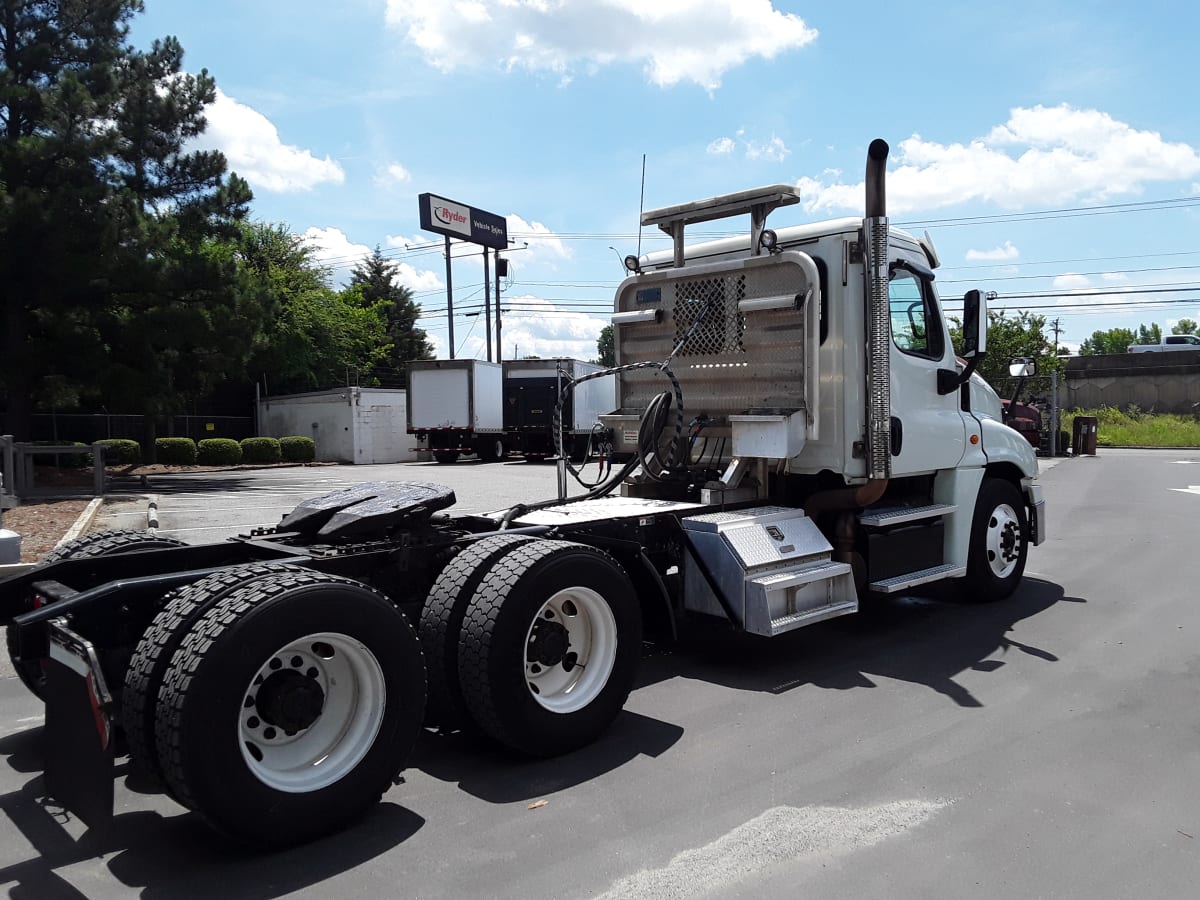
[[1047, 745]]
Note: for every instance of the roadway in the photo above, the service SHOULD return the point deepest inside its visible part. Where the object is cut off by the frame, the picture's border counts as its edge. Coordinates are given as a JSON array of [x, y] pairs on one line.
[[1047, 745]]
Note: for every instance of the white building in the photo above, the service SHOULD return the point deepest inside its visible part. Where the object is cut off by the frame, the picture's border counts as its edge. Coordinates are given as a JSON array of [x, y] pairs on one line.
[[350, 425]]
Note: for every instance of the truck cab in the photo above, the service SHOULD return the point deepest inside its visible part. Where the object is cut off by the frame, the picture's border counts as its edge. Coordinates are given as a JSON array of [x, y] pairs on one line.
[[818, 360]]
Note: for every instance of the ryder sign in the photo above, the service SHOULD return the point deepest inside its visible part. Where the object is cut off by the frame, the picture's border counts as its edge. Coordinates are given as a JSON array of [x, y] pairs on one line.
[[457, 220]]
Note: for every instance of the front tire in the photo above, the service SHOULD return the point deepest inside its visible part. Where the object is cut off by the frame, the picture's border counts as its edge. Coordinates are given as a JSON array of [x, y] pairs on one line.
[[290, 707], [999, 541], [550, 647]]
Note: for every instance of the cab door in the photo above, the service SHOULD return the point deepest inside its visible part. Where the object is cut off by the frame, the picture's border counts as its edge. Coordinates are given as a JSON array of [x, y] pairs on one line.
[[928, 429]]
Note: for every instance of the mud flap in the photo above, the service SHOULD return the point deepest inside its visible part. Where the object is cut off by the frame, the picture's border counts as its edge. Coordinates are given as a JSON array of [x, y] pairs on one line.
[[78, 733]]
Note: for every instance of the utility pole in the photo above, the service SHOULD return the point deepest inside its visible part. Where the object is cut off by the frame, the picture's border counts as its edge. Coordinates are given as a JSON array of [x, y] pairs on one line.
[[1057, 328], [449, 297]]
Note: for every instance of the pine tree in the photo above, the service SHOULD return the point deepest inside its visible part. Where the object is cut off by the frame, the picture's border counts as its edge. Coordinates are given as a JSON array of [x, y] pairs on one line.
[[57, 89], [376, 280], [177, 323]]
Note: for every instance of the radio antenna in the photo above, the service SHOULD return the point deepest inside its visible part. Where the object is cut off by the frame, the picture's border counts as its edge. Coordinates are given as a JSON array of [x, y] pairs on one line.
[[641, 206]]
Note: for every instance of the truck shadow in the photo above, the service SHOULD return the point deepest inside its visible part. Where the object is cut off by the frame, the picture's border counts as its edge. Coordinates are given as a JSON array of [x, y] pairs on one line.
[[164, 855], [479, 768], [926, 639]]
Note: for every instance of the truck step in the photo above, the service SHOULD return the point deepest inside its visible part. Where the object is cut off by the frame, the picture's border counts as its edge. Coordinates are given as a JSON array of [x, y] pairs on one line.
[[785, 600], [912, 579], [898, 515], [799, 620]]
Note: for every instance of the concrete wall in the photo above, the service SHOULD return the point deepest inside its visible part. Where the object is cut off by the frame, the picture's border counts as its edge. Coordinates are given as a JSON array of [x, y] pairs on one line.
[[350, 425], [1164, 382]]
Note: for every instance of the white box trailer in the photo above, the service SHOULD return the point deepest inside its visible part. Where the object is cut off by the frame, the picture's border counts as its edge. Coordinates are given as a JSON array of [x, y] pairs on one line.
[[457, 406], [531, 390]]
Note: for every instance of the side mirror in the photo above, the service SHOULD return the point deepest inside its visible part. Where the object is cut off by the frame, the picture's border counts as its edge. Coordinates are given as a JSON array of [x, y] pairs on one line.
[[1022, 367], [974, 325], [974, 346]]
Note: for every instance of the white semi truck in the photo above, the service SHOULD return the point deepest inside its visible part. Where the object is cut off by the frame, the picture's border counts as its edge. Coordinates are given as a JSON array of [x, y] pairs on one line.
[[800, 437]]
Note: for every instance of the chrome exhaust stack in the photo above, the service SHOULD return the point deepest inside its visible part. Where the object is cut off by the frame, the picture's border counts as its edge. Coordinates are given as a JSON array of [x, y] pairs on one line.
[[879, 337]]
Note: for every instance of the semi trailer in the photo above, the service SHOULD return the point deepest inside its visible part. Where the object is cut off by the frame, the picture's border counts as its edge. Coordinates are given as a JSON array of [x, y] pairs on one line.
[[800, 438], [532, 389], [455, 407]]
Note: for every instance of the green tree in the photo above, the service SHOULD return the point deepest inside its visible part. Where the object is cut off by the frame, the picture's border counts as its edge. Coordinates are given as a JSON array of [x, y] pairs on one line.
[[1114, 340], [116, 239], [316, 337], [57, 96], [1185, 326], [375, 278], [1009, 336], [606, 353], [1151, 335], [176, 312]]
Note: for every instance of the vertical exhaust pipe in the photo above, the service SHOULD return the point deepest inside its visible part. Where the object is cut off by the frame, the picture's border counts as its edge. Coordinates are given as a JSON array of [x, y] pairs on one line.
[[877, 155], [878, 321]]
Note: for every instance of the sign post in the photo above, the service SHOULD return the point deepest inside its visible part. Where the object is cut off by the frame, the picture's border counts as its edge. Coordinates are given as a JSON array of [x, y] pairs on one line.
[[457, 220]]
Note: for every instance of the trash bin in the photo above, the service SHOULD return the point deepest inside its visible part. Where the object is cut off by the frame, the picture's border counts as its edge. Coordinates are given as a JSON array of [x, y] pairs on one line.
[[1083, 435]]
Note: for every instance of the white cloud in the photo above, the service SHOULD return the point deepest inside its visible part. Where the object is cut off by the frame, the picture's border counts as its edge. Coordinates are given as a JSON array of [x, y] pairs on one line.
[[1071, 281], [535, 327], [251, 143], [675, 41], [721, 147], [1040, 156], [997, 254], [544, 244], [334, 249], [417, 279], [392, 175], [773, 149], [538, 327]]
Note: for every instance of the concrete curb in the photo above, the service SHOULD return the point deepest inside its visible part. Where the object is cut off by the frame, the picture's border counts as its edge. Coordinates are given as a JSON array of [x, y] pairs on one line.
[[84, 522], [152, 515]]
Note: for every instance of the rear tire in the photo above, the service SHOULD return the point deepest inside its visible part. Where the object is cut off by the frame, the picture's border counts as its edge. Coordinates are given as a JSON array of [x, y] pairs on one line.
[[999, 541], [441, 624], [445, 457], [550, 647], [290, 707], [158, 644], [97, 543], [491, 449]]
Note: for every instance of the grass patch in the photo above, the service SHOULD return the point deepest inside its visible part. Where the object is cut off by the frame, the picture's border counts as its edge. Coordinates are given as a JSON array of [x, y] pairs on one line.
[[1134, 428]]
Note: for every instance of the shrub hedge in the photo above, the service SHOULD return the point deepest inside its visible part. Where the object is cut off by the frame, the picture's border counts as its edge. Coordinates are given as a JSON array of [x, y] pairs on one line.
[[219, 452], [121, 452], [260, 450], [176, 451], [297, 448]]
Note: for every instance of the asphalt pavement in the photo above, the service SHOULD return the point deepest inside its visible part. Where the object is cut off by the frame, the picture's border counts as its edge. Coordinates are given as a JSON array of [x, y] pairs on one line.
[[1044, 746]]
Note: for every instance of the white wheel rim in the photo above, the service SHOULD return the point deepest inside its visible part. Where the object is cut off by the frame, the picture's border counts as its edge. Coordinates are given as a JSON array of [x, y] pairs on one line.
[[350, 712], [1004, 541], [584, 618]]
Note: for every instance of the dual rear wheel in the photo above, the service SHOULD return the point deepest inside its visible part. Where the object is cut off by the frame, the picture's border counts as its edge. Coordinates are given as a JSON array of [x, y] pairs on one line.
[[278, 703], [535, 643]]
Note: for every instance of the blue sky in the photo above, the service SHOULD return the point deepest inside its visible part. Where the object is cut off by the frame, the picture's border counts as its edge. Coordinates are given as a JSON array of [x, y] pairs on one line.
[[1050, 148]]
